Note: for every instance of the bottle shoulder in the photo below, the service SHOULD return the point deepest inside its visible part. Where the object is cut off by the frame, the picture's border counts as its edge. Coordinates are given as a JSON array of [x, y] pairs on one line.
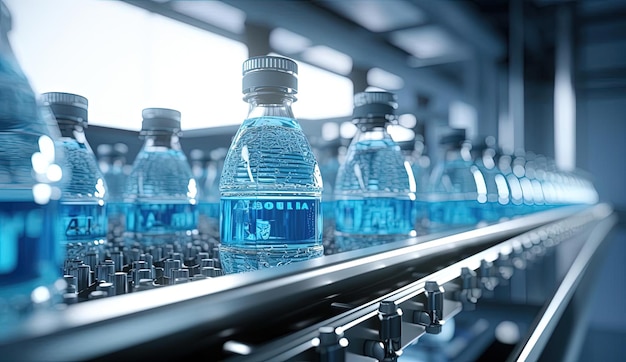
[[381, 170], [155, 156], [270, 155], [85, 179], [264, 121], [161, 174]]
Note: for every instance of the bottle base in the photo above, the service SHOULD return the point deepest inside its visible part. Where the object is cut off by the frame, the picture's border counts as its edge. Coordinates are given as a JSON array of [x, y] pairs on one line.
[[236, 259]]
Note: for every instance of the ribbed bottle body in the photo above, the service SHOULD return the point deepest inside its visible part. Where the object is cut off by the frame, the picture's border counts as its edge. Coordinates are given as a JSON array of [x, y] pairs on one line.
[[270, 197], [453, 197], [160, 196], [374, 194], [82, 211]]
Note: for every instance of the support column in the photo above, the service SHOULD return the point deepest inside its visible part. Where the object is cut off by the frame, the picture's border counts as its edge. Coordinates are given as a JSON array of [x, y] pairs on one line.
[[564, 95], [514, 130]]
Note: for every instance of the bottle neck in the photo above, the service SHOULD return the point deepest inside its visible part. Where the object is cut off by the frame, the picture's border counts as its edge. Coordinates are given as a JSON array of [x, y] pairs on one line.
[[162, 139], [271, 104], [371, 132]]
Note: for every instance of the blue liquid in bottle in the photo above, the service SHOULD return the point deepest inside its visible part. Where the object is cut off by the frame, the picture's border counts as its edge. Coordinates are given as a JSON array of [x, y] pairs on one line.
[[375, 189], [206, 168], [514, 207], [528, 193], [327, 155], [30, 253], [82, 212], [115, 170], [270, 184], [457, 194], [160, 191], [496, 192], [212, 187], [414, 152]]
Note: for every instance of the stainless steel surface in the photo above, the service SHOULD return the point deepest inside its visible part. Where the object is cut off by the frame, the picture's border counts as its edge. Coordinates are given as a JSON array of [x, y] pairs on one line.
[[362, 314], [532, 347], [214, 310]]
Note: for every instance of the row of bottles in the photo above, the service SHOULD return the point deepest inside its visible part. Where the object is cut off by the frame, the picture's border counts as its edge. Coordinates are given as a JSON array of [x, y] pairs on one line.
[[386, 191], [374, 192], [109, 228]]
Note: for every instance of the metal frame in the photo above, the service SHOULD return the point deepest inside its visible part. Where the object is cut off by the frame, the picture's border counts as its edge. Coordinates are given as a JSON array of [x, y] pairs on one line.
[[290, 347], [219, 308]]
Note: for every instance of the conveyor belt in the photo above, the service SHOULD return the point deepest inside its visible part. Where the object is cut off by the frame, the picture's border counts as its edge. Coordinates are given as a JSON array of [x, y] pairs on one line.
[[277, 314]]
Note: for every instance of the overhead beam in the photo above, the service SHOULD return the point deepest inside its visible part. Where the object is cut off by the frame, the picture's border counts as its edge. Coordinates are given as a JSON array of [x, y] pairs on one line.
[[366, 50], [466, 23], [165, 9]]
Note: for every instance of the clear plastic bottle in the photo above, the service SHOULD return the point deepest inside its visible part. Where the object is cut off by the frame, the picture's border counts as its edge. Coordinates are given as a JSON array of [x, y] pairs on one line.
[[457, 191], [375, 190], [115, 175], [498, 192], [199, 168], [204, 169], [214, 174], [518, 165], [82, 213], [516, 199], [160, 191], [539, 203], [30, 172], [421, 166], [271, 184], [327, 155]]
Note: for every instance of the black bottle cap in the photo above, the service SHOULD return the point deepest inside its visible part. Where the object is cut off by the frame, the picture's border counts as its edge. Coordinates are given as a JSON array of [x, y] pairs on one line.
[[160, 119], [374, 106], [67, 106]]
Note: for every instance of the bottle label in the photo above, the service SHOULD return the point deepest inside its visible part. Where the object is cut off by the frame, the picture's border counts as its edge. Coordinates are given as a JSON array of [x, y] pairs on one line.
[[161, 218], [379, 216], [270, 219], [86, 222], [28, 243]]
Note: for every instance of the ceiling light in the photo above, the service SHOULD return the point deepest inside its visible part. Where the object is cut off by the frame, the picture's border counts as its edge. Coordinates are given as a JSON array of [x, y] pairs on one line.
[[379, 16], [383, 79], [213, 12], [425, 42], [288, 42], [328, 58]]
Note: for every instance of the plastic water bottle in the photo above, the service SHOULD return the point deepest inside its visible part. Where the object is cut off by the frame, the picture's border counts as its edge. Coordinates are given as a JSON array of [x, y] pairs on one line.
[[539, 203], [160, 191], [82, 213], [214, 174], [30, 169], [497, 188], [115, 169], [415, 154], [271, 184], [457, 191], [199, 168], [327, 155], [543, 175], [516, 199], [518, 165], [375, 190], [204, 169]]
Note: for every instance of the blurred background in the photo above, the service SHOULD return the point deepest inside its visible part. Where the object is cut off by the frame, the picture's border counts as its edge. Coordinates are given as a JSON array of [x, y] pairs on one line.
[[542, 75]]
